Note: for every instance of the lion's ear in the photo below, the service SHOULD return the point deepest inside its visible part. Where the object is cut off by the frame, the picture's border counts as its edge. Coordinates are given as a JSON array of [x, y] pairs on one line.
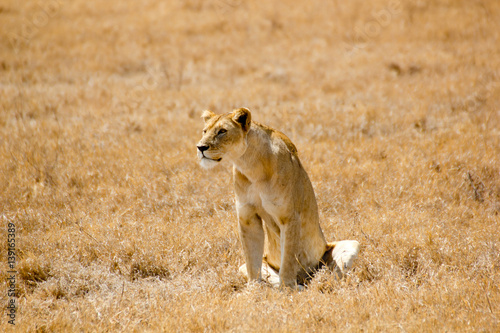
[[207, 115], [243, 117]]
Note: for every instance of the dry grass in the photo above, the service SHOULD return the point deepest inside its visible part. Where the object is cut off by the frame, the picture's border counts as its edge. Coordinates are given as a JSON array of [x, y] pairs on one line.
[[119, 229]]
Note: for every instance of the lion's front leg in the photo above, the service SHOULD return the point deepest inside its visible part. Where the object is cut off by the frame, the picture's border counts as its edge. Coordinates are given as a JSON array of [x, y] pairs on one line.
[[252, 240], [269, 274], [289, 243]]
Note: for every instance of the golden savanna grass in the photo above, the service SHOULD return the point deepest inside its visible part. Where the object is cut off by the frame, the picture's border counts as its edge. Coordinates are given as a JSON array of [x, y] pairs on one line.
[[393, 105]]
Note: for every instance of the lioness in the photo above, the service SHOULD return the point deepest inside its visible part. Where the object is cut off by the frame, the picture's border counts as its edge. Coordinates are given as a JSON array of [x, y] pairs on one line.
[[271, 185]]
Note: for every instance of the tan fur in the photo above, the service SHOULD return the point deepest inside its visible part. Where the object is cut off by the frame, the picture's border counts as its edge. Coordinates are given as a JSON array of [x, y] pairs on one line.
[[271, 186]]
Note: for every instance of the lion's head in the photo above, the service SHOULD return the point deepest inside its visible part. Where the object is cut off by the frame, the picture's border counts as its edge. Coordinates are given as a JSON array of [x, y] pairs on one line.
[[224, 137]]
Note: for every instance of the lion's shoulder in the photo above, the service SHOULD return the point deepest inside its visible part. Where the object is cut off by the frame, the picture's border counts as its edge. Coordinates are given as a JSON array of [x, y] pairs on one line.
[[275, 134]]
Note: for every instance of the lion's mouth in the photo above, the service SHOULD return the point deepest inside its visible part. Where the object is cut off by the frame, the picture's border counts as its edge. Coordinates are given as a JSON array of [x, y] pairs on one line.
[[211, 159]]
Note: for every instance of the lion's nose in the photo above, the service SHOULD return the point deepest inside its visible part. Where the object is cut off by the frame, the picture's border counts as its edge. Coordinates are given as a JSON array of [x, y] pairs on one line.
[[202, 148]]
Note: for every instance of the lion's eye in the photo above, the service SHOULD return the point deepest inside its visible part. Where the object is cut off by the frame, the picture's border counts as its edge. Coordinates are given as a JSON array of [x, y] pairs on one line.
[[204, 131], [221, 131]]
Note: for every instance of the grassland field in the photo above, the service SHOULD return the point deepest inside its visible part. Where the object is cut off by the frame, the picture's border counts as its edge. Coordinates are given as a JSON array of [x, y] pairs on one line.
[[394, 106]]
